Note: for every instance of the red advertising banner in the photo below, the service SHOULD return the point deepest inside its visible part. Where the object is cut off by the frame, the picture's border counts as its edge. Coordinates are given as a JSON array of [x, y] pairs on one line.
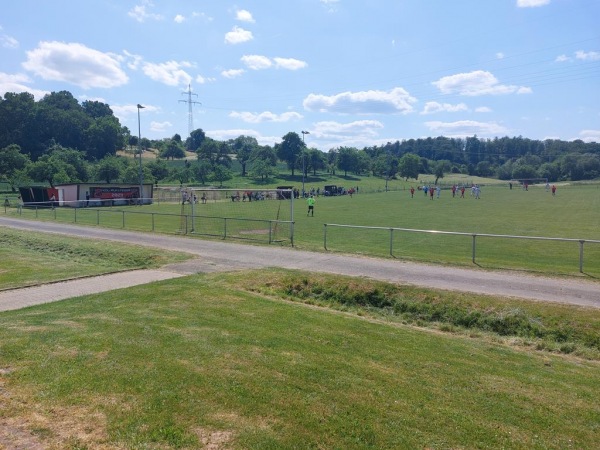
[[111, 193]]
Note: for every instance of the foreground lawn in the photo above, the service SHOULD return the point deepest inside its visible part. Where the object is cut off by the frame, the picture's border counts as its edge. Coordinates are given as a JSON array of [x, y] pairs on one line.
[[204, 361], [33, 258]]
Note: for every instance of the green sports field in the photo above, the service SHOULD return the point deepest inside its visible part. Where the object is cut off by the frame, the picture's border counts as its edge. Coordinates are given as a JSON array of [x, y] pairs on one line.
[[573, 213]]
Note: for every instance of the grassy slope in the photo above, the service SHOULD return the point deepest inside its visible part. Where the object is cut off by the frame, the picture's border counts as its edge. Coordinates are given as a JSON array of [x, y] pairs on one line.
[[207, 361], [34, 258]]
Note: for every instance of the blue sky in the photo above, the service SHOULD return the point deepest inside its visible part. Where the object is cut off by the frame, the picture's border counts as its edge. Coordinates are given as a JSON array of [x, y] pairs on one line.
[[351, 73]]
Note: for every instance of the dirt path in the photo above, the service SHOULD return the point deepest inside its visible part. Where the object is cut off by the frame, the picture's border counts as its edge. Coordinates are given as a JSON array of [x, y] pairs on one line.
[[220, 256]]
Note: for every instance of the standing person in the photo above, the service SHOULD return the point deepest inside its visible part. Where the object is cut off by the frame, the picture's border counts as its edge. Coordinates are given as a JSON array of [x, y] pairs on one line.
[[311, 206], [462, 192], [438, 190], [87, 199], [431, 192], [553, 189], [20, 203], [412, 192]]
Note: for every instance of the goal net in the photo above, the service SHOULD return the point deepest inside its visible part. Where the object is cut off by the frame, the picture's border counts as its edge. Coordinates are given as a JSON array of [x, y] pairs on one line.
[[257, 214]]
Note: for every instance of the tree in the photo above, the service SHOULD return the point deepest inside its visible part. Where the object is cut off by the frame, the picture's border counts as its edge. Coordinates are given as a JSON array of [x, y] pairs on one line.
[[76, 166], [243, 147], [347, 158], [440, 168], [316, 160], [221, 173], [408, 166], [195, 140], [109, 168], [172, 149], [290, 149], [202, 170], [260, 168], [158, 169], [104, 137], [12, 163]]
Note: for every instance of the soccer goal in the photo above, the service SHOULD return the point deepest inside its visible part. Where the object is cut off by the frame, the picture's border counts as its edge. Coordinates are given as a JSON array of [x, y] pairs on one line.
[[257, 214]]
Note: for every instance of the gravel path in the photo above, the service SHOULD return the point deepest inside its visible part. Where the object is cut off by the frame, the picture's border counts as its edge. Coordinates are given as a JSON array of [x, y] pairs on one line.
[[214, 256]]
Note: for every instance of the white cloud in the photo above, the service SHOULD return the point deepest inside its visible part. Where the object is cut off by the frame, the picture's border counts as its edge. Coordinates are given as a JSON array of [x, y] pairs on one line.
[[434, 107], [260, 62], [223, 135], [499, 55], [179, 18], [160, 127], [590, 135], [238, 35], [330, 5], [289, 63], [8, 42], [266, 116], [587, 56], [475, 83], [532, 3], [256, 62], [332, 129], [464, 128], [18, 83], [232, 73], [203, 80], [483, 109], [76, 64], [244, 16], [396, 100], [171, 73], [202, 15], [562, 58], [140, 13]]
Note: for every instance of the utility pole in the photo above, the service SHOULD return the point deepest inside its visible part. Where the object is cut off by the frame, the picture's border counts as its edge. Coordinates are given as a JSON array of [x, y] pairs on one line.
[[190, 103]]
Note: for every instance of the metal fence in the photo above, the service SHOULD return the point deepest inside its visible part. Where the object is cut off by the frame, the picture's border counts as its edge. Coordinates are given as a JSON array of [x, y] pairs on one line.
[[474, 238], [263, 230]]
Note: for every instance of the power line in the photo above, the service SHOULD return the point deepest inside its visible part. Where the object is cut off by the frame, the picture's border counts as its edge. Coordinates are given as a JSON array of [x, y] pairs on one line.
[[190, 103]]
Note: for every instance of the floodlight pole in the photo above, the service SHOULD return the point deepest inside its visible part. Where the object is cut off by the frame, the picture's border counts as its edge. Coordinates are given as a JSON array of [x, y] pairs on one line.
[[140, 154], [303, 166]]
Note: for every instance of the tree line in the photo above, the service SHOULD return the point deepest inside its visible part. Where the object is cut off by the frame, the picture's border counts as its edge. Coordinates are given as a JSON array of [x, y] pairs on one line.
[[57, 140]]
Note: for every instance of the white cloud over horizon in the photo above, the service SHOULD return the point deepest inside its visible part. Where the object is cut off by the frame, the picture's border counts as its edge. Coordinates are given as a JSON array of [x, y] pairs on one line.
[[462, 128], [396, 100], [478, 82], [266, 116], [76, 64]]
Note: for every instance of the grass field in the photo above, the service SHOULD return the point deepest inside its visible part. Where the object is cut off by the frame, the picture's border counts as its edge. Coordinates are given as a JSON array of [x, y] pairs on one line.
[[202, 361], [573, 213], [30, 259]]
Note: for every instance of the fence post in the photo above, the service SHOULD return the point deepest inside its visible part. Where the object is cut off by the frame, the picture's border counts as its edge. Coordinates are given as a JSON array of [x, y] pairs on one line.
[[153, 222], [325, 236], [224, 227], [391, 242], [75, 210], [97, 217], [581, 256], [473, 251], [270, 231], [36, 212], [123, 220]]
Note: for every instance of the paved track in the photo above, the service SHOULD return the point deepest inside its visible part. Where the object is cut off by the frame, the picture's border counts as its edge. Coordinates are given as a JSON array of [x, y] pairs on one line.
[[220, 256]]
